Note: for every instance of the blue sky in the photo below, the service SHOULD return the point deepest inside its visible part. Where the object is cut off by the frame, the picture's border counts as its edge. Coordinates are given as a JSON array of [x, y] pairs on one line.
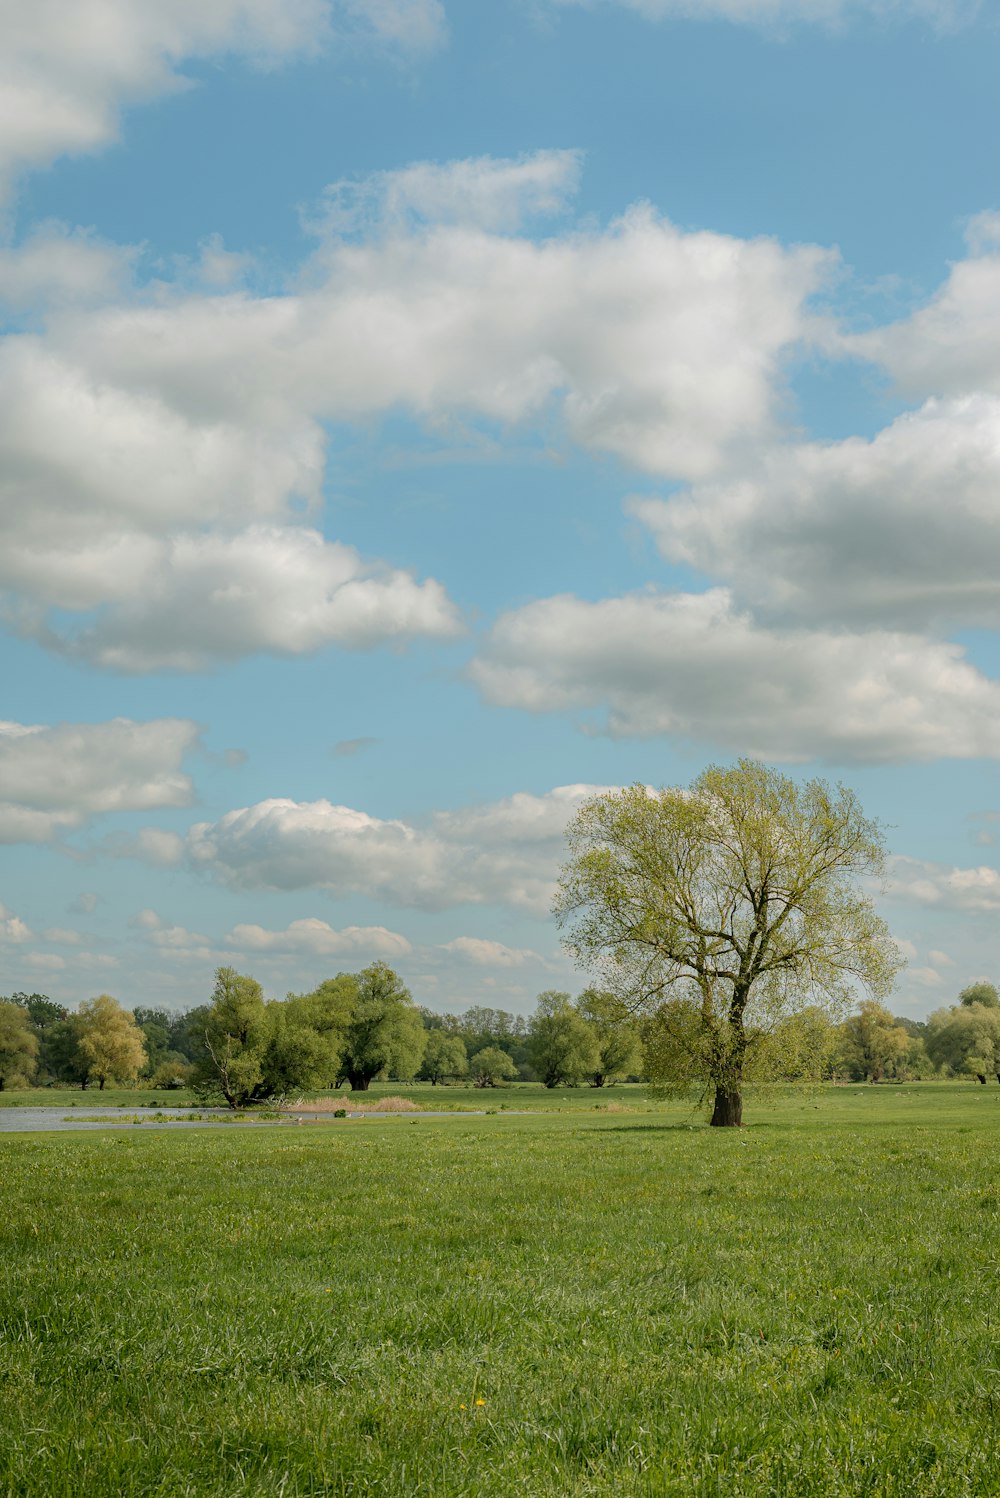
[[414, 415]]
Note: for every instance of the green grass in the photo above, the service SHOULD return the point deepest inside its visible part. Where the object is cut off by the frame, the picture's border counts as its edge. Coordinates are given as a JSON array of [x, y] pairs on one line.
[[808, 1306]]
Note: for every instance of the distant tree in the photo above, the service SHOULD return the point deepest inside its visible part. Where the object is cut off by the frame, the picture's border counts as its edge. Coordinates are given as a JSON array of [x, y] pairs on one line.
[[60, 1057], [980, 992], [872, 1044], [327, 1012], [155, 1025], [966, 1040], [110, 1041], [491, 1066], [444, 1056], [18, 1047], [172, 1074], [187, 1032], [726, 907], [619, 1052], [41, 1010], [562, 1046], [235, 1038], [384, 1034]]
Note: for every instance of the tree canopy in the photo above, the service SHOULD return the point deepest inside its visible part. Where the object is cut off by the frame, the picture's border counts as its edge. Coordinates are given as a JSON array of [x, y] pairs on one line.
[[723, 908]]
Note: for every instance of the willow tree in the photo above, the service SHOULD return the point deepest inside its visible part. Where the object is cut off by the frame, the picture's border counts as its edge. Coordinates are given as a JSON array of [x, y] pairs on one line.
[[720, 911]]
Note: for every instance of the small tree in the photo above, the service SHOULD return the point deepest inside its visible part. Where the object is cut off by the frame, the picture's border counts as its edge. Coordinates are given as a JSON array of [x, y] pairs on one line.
[[384, 1033], [724, 908], [872, 1044], [966, 1040], [562, 1047], [618, 1049], [444, 1056], [981, 992], [235, 1038], [18, 1047], [491, 1066], [110, 1041]]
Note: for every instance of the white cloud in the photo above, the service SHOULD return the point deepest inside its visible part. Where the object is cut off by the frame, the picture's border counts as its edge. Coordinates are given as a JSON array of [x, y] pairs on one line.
[[507, 853], [691, 665], [172, 941], [57, 778], [484, 953], [902, 531], [66, 72], [771, 12], [938, 886], [47, 962], [13, 931], [271, 588], [192, 426], [950, 346], [485, 191], [315, 938]]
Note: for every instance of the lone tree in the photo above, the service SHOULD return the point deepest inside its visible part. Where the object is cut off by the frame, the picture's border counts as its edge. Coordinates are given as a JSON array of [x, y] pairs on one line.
[[384, 1033], [110, 1041], [723, 909]]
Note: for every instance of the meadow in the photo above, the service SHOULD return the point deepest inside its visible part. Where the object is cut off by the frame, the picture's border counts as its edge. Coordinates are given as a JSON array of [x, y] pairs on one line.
[[561, 1303]]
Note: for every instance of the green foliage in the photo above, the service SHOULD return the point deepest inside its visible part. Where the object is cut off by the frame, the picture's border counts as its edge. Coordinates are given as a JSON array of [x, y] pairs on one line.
[[981, 992], [235, 1037], [619, 1049], [60, 1058], [731, 905], [966, 1040], [491, 1066], [109, 1041], [871, 1045], [172, 1074], [444, 1056], [18, 1047], [562, 1047], [384, 1034]]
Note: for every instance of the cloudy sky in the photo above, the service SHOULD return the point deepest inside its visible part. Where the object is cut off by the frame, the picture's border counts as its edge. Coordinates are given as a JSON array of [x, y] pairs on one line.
[[416, 414]]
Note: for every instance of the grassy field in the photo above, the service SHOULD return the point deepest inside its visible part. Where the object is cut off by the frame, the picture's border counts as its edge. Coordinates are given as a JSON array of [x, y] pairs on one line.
[[592, 1303], [518, 1095]]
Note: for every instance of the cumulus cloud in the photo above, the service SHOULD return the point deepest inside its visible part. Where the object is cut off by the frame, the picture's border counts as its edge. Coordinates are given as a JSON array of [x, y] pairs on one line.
[[506, 853], [943, 887], [279, 589], [66, 73], [193, 424], [950, 346], [13, 931], [315, 938], [901, 531], [693, 666], [56, 778], [771, 12]]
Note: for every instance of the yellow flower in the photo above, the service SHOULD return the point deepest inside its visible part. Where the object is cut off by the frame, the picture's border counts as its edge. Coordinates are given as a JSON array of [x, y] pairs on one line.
[[461, 1406], [480, 1401]]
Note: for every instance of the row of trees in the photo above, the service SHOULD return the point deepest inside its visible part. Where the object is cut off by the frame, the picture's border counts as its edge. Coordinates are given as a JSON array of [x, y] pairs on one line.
[[351, 1029], [357, 1027]]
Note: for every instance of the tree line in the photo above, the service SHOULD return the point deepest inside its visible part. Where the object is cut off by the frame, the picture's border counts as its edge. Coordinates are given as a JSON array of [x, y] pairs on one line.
[[350, 1030], [359, 1027]]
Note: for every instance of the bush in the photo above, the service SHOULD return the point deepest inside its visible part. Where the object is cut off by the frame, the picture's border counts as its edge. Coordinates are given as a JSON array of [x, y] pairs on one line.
[[170, 1075]]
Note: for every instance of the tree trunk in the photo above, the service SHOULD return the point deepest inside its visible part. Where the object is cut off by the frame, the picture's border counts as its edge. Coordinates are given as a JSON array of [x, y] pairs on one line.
[[728, 1112], [101, 1084], [980, 1078], [359, 1081]]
